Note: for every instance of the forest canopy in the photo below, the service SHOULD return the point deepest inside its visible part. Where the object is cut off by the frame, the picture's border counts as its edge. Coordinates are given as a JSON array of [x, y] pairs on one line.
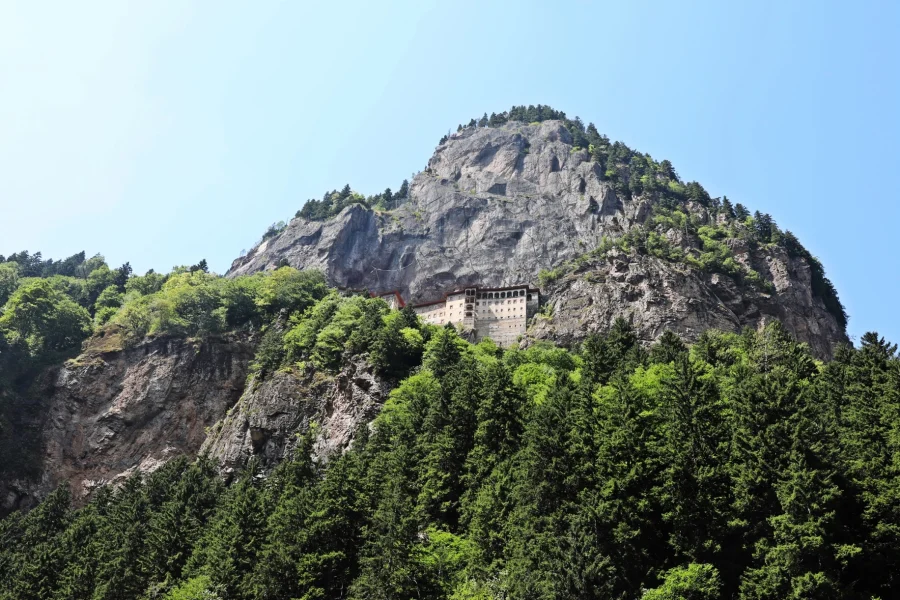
[[738, 467]]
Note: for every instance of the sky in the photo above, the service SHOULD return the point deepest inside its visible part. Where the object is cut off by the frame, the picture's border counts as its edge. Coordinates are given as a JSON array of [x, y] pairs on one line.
[[164, 132]]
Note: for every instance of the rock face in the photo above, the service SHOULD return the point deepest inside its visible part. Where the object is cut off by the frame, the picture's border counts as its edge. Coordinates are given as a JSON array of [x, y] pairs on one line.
[[498, 205], [494, 207], [272, 414], [109, 414], [656, 297]]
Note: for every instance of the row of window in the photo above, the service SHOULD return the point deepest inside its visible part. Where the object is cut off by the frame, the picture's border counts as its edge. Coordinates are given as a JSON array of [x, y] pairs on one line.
[[489, 303], [498, 295]]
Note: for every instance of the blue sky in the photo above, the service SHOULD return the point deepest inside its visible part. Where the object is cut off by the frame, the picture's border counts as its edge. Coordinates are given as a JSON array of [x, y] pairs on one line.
[[168, 131]]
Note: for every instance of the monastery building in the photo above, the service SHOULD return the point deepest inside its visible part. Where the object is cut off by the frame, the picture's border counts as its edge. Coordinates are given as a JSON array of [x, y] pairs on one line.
[[500, 314]]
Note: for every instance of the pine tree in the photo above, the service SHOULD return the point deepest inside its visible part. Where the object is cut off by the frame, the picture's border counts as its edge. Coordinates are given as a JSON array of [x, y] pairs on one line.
[[628, 461], [276, 575], [80, 549], [231, 545], [727, 208], [447, 438], [34, 572], [120, 575], [695, 493], [177, 524]]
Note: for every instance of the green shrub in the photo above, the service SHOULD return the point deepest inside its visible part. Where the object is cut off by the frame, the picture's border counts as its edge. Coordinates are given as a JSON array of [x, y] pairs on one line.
[[548, 276], [693, 582], [195, 303]]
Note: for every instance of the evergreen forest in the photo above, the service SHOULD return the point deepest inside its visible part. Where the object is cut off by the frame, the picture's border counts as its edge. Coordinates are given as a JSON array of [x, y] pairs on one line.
[[737, 467]]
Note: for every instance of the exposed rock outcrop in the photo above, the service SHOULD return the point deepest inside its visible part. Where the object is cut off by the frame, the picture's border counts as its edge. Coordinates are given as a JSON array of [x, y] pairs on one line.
[[657, 296], [273, 413], [108, 414], [497, 205]]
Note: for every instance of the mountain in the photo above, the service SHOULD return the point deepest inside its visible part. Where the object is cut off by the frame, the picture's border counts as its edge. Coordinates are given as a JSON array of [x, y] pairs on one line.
[[683, 417], [606, 231], [527, 196]]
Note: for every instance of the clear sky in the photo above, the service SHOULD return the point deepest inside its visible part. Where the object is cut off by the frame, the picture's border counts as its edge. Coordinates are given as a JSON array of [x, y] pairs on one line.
[[164, 132]]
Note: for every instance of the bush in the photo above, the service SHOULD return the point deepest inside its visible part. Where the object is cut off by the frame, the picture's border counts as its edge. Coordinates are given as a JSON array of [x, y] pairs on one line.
[[548, 276], [104, 314], [694, 582]]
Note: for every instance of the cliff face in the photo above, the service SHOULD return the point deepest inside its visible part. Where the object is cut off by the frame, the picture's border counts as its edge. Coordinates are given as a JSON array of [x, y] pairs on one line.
[[108, 414], [498, 205], [656, 297], [267, 421], [495, 206]]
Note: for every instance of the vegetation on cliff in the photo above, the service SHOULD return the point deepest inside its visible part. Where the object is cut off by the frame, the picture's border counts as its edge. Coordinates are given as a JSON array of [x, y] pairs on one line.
[[52, 307], [738, 467], [335, 201]]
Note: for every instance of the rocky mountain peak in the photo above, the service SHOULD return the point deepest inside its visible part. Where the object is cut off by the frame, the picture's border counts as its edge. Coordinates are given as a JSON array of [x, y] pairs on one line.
[[606, 232]]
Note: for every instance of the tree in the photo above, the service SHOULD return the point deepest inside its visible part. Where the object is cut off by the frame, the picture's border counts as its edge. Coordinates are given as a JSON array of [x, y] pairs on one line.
[[667, 170], [603, 354], [727, 208], [691, 582], [35, 574], [44, 319], [290, 290], [668, 348], [121, 276], [443, 351], [764, 227], [176, 525], [120, 574], [448, 435], [9, 281], [230, 548], [403, 192]]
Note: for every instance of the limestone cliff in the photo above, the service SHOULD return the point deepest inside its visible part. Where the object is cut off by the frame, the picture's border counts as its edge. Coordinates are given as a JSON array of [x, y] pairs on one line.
[[109, 413], [106, 414], [499, 205], [268, 419]]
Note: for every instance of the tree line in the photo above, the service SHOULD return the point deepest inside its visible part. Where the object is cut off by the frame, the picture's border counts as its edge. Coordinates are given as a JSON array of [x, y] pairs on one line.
[[335, 201]]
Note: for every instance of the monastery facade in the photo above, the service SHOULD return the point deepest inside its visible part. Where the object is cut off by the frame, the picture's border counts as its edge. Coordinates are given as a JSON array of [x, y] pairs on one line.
[[500, 314]]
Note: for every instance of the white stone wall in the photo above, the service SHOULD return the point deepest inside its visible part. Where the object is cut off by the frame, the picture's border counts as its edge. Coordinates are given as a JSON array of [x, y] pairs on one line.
[[434, 314], [501, 316], [391, 300]]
